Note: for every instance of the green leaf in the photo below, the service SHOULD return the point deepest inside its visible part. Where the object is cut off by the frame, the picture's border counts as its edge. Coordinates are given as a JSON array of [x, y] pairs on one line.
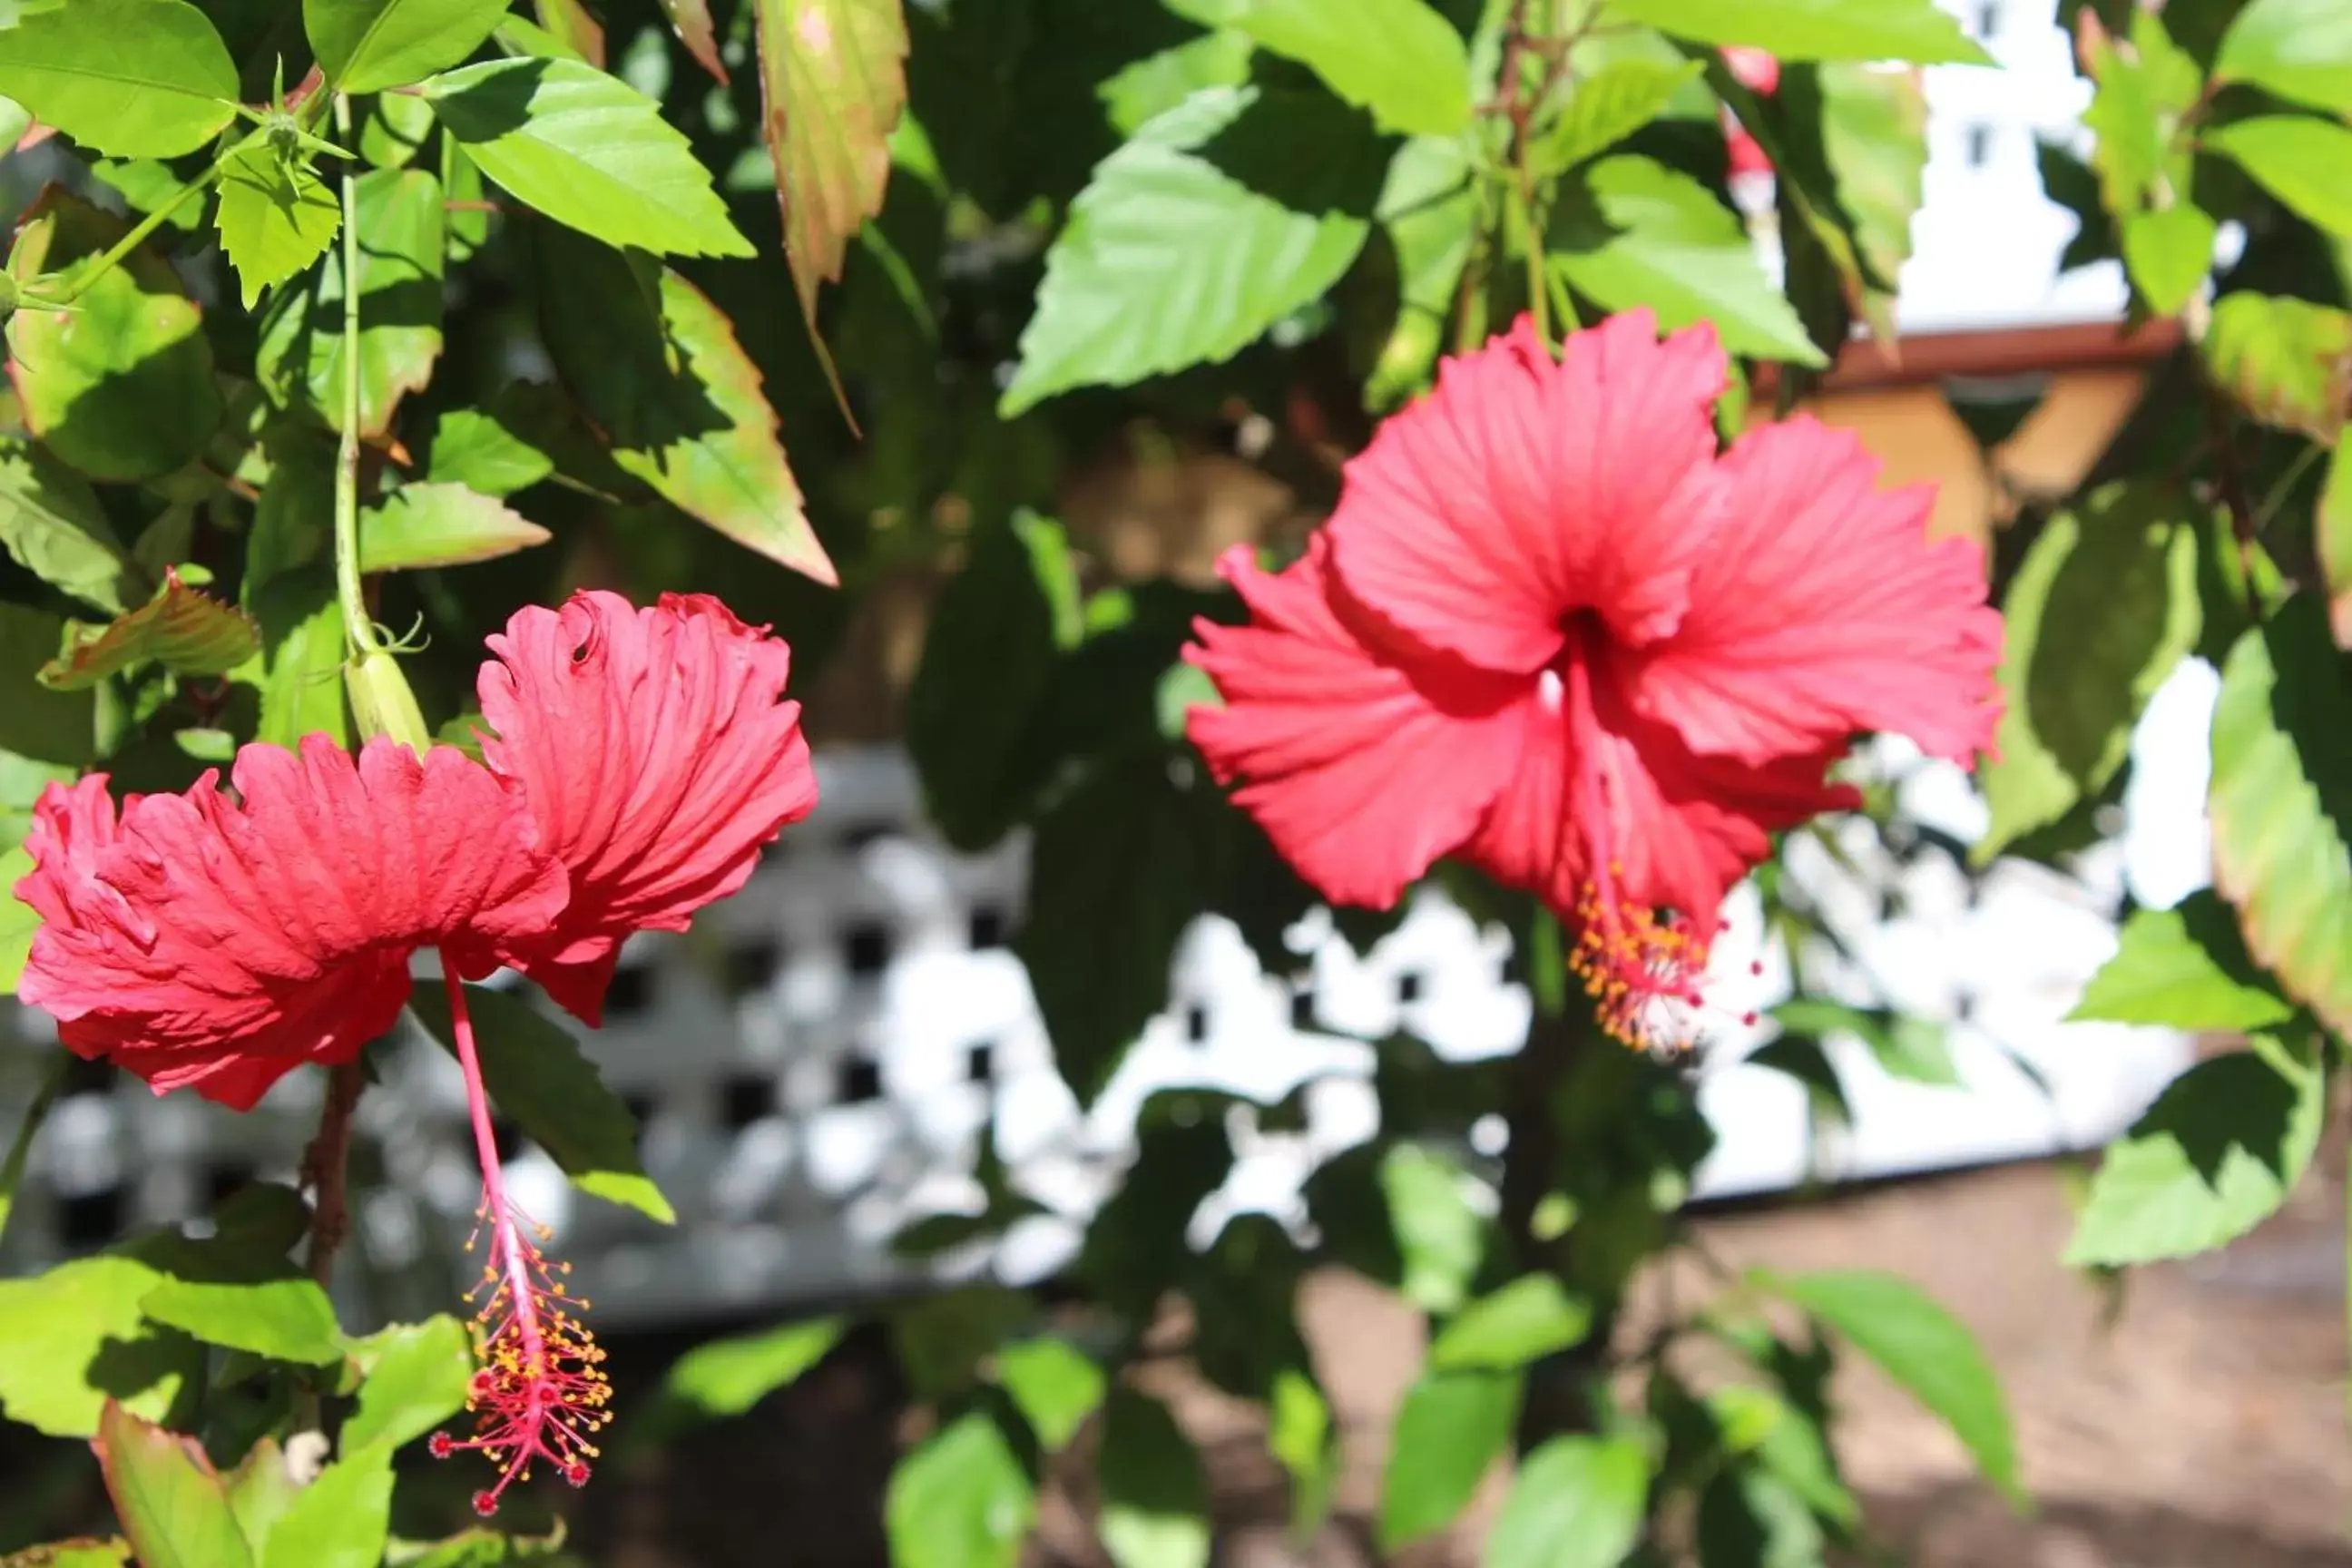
[[35, 723], [285, 1319], [532, 1066], [690, 20], [989, 655], [1157, 83], [1399, 59], [14, 864], [147, 186], [1607, 106], [485, 1548], [2287, 361], [726, 1377], [2183, 968], [2169, 252], [588, 150], [2299, 50], [480, 451], [1299, 1435], [1874, 133], [1792, 30], [342, 1519], [79, 1552], [2213, 1158], [1910, 1049], [1751, 1518], [397, 126], [2332, 538], [122, 386], [130, 78], [1450, 1429], [1524, 1321], [182, 629], [1578, 1502], [1439, 1237], [2280, 802], [941, 1340], [832, 80], [1632, 231], [1155, 1496], [431, 524], [2101, 611], [2299, 160], [1922, 1347], [300, 357], [301, 669], [1429, 208], [261, 1490], [367, 46], [414, 1378], [960, 1500], [1209, 224], [51, 523], [276, 217], [169, 1498], [74, 1336], [657, 366], [1054, 1384]]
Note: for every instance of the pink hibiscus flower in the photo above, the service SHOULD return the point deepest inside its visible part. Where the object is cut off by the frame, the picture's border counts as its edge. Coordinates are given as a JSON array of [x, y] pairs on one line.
[[1552, 631], [217, 941], [1760, 74]]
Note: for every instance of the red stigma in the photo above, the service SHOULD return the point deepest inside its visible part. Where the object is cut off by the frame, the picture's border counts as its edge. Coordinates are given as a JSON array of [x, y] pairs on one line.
[[485, 1503]]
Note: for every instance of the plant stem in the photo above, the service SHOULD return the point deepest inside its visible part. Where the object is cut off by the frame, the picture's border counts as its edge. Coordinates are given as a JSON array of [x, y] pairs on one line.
[[358, 629], [324, 1169], [131, 241]]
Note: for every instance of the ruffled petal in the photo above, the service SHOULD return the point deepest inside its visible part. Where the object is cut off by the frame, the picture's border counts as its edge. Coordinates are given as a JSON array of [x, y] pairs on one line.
[[1822, 609], [1364, 767], [658, 756], [218, 943], [1522, 490]]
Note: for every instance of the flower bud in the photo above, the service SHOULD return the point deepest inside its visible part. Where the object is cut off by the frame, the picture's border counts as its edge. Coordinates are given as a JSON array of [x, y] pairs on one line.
[[382, 702]]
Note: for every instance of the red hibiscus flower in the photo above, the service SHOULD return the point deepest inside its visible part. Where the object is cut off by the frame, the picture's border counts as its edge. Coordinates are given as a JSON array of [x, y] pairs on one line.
[[657, 757], [1552, 631], [217, 942]]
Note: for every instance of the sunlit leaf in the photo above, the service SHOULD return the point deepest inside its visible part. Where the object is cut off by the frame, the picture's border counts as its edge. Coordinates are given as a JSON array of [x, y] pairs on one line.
[[832, 82], [171, 1500], [1399, 59], [1450, 1430], [51, 523], [2287, 361], [181, 629], [1792, 30], [274, 218], [367, 46], [1155, 1507], [2298, 159], [1577, 1502], [132, 78], [434, 524], [415, 1376], [959, 1500], [2183, 968], [2299, 50]]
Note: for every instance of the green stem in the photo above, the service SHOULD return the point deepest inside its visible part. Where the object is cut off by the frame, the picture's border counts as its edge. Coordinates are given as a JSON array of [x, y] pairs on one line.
[[359, 628], [131, 241]]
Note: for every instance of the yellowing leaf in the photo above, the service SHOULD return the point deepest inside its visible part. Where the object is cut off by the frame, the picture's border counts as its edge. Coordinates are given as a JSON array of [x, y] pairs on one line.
[[832, 79], [180, 628]]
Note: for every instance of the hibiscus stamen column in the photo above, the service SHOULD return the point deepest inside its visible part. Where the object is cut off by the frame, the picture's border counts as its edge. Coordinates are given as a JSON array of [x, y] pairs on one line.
[[540, 1392]]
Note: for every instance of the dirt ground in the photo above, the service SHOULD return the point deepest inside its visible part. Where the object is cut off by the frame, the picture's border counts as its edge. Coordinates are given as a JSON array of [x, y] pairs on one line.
[[2202, 1427]]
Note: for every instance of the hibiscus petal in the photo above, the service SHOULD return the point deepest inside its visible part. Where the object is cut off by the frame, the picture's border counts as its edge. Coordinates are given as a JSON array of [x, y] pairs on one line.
[[1821, 609], [219, 944], [1522, 490], [1361, 766], [1602, 790], [658, 756]]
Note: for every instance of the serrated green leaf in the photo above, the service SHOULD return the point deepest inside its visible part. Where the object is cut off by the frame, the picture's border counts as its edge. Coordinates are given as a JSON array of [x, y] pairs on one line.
[[286, 1318], [2214, 1157], [2280, 802], [1450, 1430], [2298, 159], [1206, 227], [1577, 1502], [169, 1498], [130, 78], [1155, 1495], [2299, 50], [1399, 59], [960, 1500], [261, 1490], [533, 1069], [74, 1336], [1607, 106], [185, 631], [475, 449], [414, 1378], [2100, 613], [300, 356], [2287, 361], [122, 386], [832, 80], [1524, 1321], [1632, 231], [1922, 1347], [589, 151], [299, 669], [1054, 1384], [989, 656], [657, 366], [342, 1519], [436, 524], [276, 217], [1793, 31], [2183, 968], [52, 524], [367, 46]]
